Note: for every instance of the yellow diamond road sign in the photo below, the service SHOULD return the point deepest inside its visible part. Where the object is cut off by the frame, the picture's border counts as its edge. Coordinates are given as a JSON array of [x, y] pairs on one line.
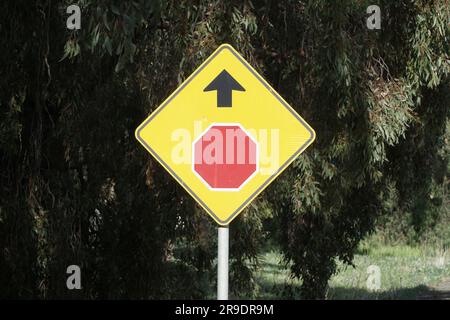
[[225, 134]]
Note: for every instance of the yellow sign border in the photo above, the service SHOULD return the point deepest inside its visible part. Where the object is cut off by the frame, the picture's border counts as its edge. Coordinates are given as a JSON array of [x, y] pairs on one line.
[[270, 179]]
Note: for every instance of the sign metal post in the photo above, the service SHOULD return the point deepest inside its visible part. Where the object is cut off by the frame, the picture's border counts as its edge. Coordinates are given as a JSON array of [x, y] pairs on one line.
[[222, 262]]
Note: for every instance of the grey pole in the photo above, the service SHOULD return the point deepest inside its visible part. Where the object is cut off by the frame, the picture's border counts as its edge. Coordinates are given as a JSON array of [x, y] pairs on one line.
[[222, 263]]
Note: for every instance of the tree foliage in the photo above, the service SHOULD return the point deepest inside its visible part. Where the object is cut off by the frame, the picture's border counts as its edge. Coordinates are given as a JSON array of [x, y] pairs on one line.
[[77, 189]]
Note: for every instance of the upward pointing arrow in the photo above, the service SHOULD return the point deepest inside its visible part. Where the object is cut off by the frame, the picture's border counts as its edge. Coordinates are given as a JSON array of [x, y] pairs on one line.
[[224, 83]]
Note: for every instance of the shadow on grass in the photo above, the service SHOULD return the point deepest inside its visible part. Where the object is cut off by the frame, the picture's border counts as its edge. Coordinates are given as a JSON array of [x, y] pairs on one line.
[[291, 291], [342, 293], [420, 292]]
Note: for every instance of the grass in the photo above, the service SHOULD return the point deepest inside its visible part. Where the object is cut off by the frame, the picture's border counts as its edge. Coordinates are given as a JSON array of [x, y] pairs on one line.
[[406, 272]]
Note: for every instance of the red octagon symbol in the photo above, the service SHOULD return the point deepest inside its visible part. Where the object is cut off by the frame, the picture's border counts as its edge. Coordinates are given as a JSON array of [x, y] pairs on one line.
[[225, 157]]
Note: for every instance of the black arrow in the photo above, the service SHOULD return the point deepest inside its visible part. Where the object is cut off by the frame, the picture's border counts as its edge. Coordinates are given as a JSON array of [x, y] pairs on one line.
[[224, 83]]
